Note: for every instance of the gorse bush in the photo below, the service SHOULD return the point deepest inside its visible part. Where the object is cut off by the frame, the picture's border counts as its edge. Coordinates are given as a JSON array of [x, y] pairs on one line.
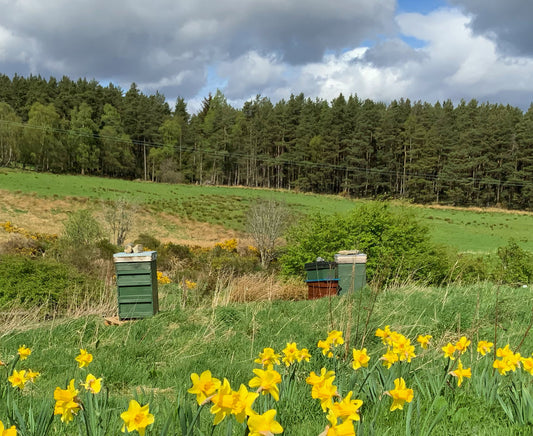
[[37, 282], [397, 245]]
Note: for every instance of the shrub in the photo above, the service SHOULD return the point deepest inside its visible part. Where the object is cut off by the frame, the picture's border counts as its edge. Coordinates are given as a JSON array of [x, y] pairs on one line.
[[397, 245], [37, 282], [517, 264], [81, 229]]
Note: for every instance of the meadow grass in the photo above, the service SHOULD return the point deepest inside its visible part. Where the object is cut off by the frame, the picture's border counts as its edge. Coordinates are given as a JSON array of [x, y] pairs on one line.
[[466, 230], [154, 357]]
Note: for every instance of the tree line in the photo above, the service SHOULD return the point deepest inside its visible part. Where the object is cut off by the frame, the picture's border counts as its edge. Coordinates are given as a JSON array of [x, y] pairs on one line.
[[475, 154]]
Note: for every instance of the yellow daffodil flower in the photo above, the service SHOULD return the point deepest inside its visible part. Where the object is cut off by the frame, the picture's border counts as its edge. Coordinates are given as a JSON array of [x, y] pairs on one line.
[[324, 392], [527, 364], [403, 348], [449, 351], [347, 409], [461, 372], [24, 352], [344, 428], [92, 384], [267, 382], [335, 338], [360, 358], [268, 357], [326, 348], [264, 424], [504, 352], [291, 353], [18, 379], [66, 402], [242, 403], [222, 402], [501, 366], [137, 417], [484, 347], [11, 431], [389, 358], [384, 334], [32, 375], [303, 355], [315, 379], [203, 385], [423, 340], [400, 394], [84, 359], [462, 344]]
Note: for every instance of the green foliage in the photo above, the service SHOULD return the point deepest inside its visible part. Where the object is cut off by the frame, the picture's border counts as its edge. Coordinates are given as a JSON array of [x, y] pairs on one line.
[[81, 229], [517, 264], [397, 246], [38, 282]]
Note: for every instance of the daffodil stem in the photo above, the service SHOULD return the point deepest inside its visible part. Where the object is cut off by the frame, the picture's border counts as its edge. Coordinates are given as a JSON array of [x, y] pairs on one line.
[[366, 378], [191, 428]]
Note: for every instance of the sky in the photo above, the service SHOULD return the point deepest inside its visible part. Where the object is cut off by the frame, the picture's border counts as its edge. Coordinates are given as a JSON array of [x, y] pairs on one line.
[[428, 50]]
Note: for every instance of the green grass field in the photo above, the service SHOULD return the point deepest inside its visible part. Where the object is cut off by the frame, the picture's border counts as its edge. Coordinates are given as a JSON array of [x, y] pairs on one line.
[[465, 230], [153, 358]]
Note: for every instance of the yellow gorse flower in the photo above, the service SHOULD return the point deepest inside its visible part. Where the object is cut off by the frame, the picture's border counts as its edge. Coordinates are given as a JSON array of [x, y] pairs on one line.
[[84, 358], [92, 384], [400, 394], [267, 381], [461, 372], [24, 352], [137, 417], [11, 431], [67, 404], [163, 279], [203, 385], [260, 425]]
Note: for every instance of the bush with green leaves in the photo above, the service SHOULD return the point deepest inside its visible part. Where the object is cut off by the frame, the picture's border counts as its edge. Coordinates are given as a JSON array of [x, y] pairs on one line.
[[397, 245], [36, 282], [516, 264]]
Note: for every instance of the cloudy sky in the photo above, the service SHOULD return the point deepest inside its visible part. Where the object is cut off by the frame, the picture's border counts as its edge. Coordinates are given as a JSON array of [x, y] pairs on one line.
[[425, 50]]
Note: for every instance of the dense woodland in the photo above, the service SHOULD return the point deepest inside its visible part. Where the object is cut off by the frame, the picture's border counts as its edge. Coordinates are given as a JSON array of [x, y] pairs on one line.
[[476, 154]]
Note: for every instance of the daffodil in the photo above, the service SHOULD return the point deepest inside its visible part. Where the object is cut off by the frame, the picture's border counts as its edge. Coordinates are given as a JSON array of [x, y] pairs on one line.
[[84, 358], [462, 344], [326, 348], [400, 394], [303, 355], [347, 408], [461, 372], [335, 338], [423, 340], [242, 403], [203, 385], [18, 379], [137, 417], [268, 357], [360, 358], [92, 384], [449, 351], [315, 379], [501, 366], [66, 402], [264, 424], [267, 381], [344, 428], [384, 334], [324, 392], [222, 402], [389, 358], [484, 347], [403, 348], [291, 353], [24, 352], [11, 431], [527, 364]]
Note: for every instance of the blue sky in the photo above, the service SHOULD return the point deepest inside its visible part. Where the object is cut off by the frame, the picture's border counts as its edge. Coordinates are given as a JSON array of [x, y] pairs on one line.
[[430, 50]]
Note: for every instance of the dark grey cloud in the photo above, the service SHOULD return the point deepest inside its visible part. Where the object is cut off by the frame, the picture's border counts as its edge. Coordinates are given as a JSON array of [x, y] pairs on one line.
[[167, 44], [392, 52], [507, 22]]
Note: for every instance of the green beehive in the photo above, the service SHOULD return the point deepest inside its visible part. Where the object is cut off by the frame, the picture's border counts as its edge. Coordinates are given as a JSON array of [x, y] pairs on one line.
[[321, 270], [137, 284], [351, 271]]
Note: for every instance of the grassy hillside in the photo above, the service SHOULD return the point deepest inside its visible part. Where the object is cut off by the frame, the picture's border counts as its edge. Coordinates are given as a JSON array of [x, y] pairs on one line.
[[466, 230], [153, 358]]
